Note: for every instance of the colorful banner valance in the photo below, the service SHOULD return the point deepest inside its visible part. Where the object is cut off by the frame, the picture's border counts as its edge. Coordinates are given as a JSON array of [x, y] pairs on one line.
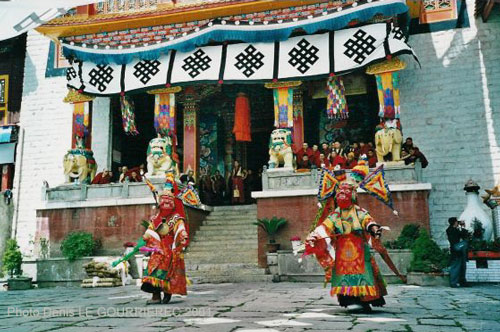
[[310, 56], [255, 30]]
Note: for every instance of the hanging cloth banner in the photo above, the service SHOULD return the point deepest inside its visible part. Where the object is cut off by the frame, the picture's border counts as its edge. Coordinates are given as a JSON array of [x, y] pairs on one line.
[[336, 104], [283, 107], [388, 95], [128, 116], [165, 116], [309, 56], [81, 119], [242, 121]]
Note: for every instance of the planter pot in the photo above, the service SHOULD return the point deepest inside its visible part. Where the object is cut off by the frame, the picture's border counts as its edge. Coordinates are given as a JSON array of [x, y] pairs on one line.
[[428, 279], [20, 283], [273, 247], [484, 254]]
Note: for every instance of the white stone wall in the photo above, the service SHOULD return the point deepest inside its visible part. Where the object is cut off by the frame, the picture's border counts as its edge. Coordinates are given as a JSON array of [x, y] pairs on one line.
[[451, 109], [46, 122], [490, 274], [47, 125]]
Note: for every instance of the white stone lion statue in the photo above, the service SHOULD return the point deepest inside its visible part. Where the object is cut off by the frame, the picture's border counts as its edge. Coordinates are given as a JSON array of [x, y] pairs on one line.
[[159, 157], [280, 148]]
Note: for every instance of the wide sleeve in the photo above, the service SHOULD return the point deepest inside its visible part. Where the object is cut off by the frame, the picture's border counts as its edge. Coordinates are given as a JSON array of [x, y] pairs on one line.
[[367, 220], [181, 237]]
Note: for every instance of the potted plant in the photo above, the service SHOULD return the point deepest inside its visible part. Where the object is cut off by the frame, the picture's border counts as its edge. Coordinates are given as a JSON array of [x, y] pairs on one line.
[[271, 226], [12, 260], [482, 249], [428, 262]]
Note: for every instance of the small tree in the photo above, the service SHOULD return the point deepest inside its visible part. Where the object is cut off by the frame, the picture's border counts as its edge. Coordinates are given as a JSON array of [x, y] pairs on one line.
[[271, 226], [12, 259], [78, 244], [427, 256], [406, 239]]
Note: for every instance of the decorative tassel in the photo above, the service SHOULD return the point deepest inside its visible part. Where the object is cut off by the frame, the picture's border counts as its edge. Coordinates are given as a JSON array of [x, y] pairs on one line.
[[283, 107], [128, 116], [242, 122], [336, 107]]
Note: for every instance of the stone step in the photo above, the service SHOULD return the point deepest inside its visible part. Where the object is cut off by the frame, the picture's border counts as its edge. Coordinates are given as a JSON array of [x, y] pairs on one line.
[[222, 238], [203, 251], [215, 246], [231, 217], [242, 232], [228, 227], [228, 222], [216, 259], [235, 208], [221, 267]]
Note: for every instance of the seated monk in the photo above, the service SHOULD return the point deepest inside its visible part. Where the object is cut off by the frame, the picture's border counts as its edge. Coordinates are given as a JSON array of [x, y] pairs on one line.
[[304, 163], [336, 159], [351, 161], [322, 161], [372, 159], [103, 177]]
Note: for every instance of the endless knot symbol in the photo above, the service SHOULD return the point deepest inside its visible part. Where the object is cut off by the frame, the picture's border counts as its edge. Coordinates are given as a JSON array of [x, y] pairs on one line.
[[70, 73], [360, 46], [303, 56], [398, 34], [196, 63], [249, 61], [100, 76], [146, 69]]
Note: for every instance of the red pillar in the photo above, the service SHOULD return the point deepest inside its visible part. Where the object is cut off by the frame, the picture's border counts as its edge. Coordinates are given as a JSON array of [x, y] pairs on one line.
[[191, 145]]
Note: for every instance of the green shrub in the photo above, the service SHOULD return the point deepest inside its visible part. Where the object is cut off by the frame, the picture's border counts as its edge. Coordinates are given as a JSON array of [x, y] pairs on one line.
[[271, 226], [406, 239], [12, 259], [78, 244], [427, 255]]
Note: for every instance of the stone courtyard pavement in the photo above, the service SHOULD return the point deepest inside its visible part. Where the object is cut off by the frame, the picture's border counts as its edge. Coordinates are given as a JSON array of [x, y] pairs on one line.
[[248, 307]]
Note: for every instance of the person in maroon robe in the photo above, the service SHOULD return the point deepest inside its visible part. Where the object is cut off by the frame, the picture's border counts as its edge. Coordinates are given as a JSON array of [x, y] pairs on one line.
[[304, 151], [372, 159], [336, 159], [351, 161], [103, 177], [323, 161], [314, 159]]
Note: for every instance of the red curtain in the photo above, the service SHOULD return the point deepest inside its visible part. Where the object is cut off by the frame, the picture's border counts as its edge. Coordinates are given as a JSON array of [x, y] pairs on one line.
[[241, 127]]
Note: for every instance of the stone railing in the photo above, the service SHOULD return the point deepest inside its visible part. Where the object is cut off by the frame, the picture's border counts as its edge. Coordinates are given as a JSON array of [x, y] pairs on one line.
[[279, 179]]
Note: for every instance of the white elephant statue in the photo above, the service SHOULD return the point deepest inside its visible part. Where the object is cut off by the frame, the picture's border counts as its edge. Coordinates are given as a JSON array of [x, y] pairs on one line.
[[79, 165], [388, 140], [159, 157], [280, 148]]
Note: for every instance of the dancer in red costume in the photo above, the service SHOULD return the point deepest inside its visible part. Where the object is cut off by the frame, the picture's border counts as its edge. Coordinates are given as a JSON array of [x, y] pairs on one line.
[[166, 237]]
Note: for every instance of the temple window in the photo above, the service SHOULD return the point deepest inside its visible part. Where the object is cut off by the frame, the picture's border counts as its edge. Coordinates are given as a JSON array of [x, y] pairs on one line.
[[437, 11]]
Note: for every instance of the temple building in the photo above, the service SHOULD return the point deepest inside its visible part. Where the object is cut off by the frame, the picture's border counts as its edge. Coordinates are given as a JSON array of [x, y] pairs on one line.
[[156, 85]]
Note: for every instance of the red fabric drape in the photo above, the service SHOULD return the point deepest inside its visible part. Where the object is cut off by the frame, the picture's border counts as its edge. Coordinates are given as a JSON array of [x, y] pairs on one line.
[[241, 127]]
